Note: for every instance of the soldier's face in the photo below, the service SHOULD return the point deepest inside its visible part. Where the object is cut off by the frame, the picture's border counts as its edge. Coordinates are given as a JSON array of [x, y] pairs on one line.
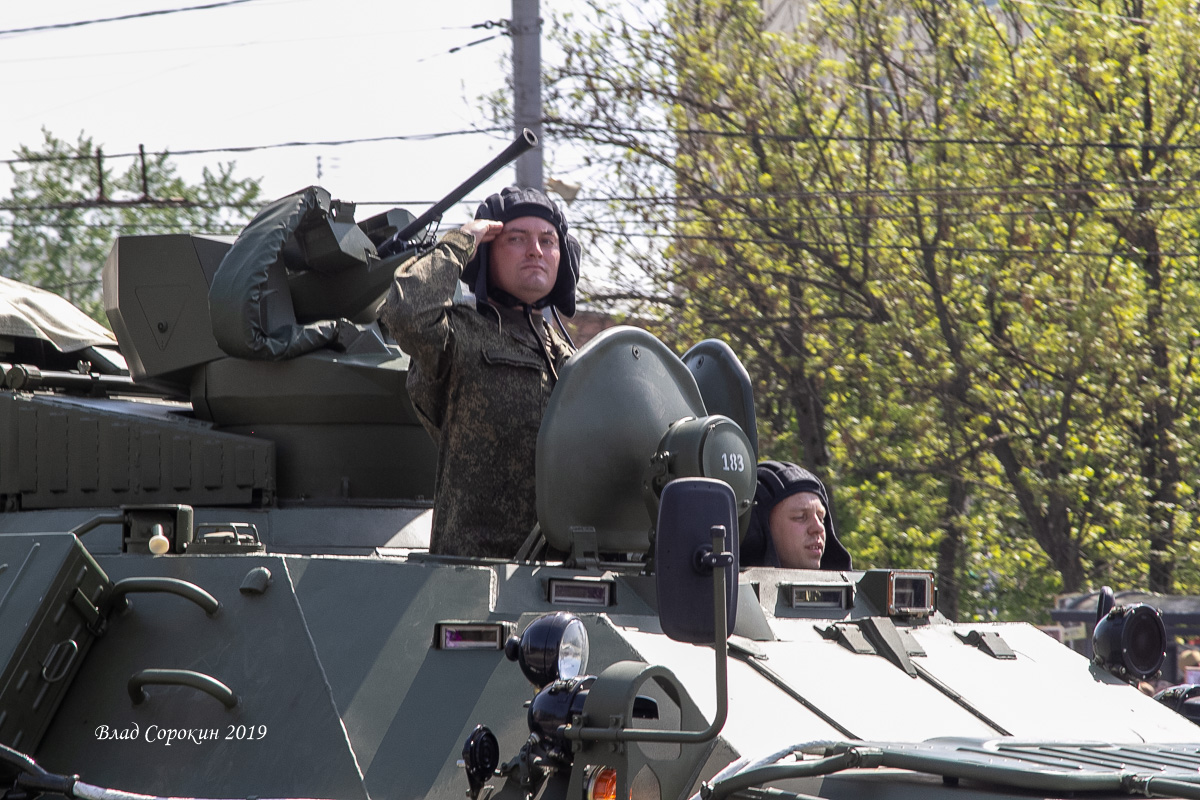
[[524, 259], [798, 530]]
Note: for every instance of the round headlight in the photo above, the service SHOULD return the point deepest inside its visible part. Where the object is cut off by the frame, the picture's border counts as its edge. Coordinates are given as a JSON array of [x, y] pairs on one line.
[[573, 651], [552, 708], [553, 647], [1130, 642]]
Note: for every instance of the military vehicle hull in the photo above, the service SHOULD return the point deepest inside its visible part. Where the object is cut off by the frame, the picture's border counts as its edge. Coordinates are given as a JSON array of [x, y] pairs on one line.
[[343, 691], [215, 582]]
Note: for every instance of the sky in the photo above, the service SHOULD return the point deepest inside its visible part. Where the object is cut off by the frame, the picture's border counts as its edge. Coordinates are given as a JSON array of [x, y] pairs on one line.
[[263, 73]]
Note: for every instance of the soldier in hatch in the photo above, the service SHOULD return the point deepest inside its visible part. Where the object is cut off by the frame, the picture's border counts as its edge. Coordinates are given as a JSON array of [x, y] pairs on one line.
[[481, 377], [792, 522]]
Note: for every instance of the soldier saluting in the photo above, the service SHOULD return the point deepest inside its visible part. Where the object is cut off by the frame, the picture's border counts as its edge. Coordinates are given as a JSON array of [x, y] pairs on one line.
[[481, 377]]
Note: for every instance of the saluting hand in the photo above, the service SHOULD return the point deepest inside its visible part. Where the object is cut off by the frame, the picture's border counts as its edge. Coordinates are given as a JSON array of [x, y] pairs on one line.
[[484, 230]]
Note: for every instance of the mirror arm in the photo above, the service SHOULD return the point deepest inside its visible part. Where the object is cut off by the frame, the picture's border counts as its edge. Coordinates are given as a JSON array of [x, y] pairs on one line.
[[721, 648]]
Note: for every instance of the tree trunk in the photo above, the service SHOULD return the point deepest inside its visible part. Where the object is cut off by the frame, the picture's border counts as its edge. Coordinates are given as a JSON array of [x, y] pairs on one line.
[[805, 395], [1048, 518], [950, 550], [1160, 457]]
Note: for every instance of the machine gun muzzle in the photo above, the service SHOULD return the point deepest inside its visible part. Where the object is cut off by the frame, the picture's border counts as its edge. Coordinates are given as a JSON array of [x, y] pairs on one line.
[[525, 141]]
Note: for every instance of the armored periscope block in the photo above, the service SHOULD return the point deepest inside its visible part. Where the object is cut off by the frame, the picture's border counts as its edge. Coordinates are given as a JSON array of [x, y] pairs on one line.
[[156, 298], [50, 593]]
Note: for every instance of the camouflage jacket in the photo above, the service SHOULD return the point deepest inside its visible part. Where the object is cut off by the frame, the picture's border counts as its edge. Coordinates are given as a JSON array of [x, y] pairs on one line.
[[480, 383]]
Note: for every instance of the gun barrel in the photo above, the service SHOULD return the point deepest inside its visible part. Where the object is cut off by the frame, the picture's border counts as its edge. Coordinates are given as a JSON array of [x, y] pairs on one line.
[[525, 141], [27, 377]]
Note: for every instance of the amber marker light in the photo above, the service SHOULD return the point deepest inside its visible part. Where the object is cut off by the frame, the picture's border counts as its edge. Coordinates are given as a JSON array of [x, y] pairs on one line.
[[602, 785]]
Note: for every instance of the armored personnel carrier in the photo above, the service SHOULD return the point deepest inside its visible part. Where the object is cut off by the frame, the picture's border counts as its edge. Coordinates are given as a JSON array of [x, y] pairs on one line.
[[215, 583]]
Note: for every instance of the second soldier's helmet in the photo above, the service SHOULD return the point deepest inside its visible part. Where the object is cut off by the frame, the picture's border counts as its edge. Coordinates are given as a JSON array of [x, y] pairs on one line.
[[776, 481]]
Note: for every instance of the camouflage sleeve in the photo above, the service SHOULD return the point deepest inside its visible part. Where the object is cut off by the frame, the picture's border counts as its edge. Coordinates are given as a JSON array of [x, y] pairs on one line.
[[422, 290]]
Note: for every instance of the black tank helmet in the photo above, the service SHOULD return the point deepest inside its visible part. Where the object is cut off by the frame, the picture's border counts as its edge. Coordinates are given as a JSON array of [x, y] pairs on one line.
[[509, 204], [778, 480]]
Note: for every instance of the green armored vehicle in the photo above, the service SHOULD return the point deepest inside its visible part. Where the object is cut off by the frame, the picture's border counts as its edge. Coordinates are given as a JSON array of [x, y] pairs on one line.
[[214, 577]]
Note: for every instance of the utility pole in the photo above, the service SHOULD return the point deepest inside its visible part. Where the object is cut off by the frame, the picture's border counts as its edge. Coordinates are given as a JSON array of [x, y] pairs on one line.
[[526, 31]]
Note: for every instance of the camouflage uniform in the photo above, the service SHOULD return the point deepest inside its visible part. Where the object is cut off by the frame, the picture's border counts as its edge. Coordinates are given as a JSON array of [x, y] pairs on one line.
[[480, 383]]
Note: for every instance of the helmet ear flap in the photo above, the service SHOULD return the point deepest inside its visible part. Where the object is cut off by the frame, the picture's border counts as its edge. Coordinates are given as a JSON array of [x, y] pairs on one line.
[[562, 296], [472, 275]]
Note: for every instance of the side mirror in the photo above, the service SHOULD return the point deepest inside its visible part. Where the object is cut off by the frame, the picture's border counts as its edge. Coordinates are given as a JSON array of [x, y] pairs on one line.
[[697, 534], [583, 721]]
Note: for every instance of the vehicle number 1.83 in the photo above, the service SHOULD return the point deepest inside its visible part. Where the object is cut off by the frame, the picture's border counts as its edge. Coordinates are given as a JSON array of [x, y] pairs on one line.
[[733, 462]]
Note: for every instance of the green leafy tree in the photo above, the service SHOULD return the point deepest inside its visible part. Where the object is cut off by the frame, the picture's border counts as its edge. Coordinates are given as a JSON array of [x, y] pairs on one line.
[[67, 207], [950, 242]]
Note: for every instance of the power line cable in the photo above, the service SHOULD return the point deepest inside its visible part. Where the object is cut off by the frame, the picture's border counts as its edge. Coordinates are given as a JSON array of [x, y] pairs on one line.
[[741, 134], [1027, 213], [415, 137], [1099, 189], [558, 125], [1037, 211], [501, 24], [1070, 10], [160, 12], [948, 247], [1013, 193]]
